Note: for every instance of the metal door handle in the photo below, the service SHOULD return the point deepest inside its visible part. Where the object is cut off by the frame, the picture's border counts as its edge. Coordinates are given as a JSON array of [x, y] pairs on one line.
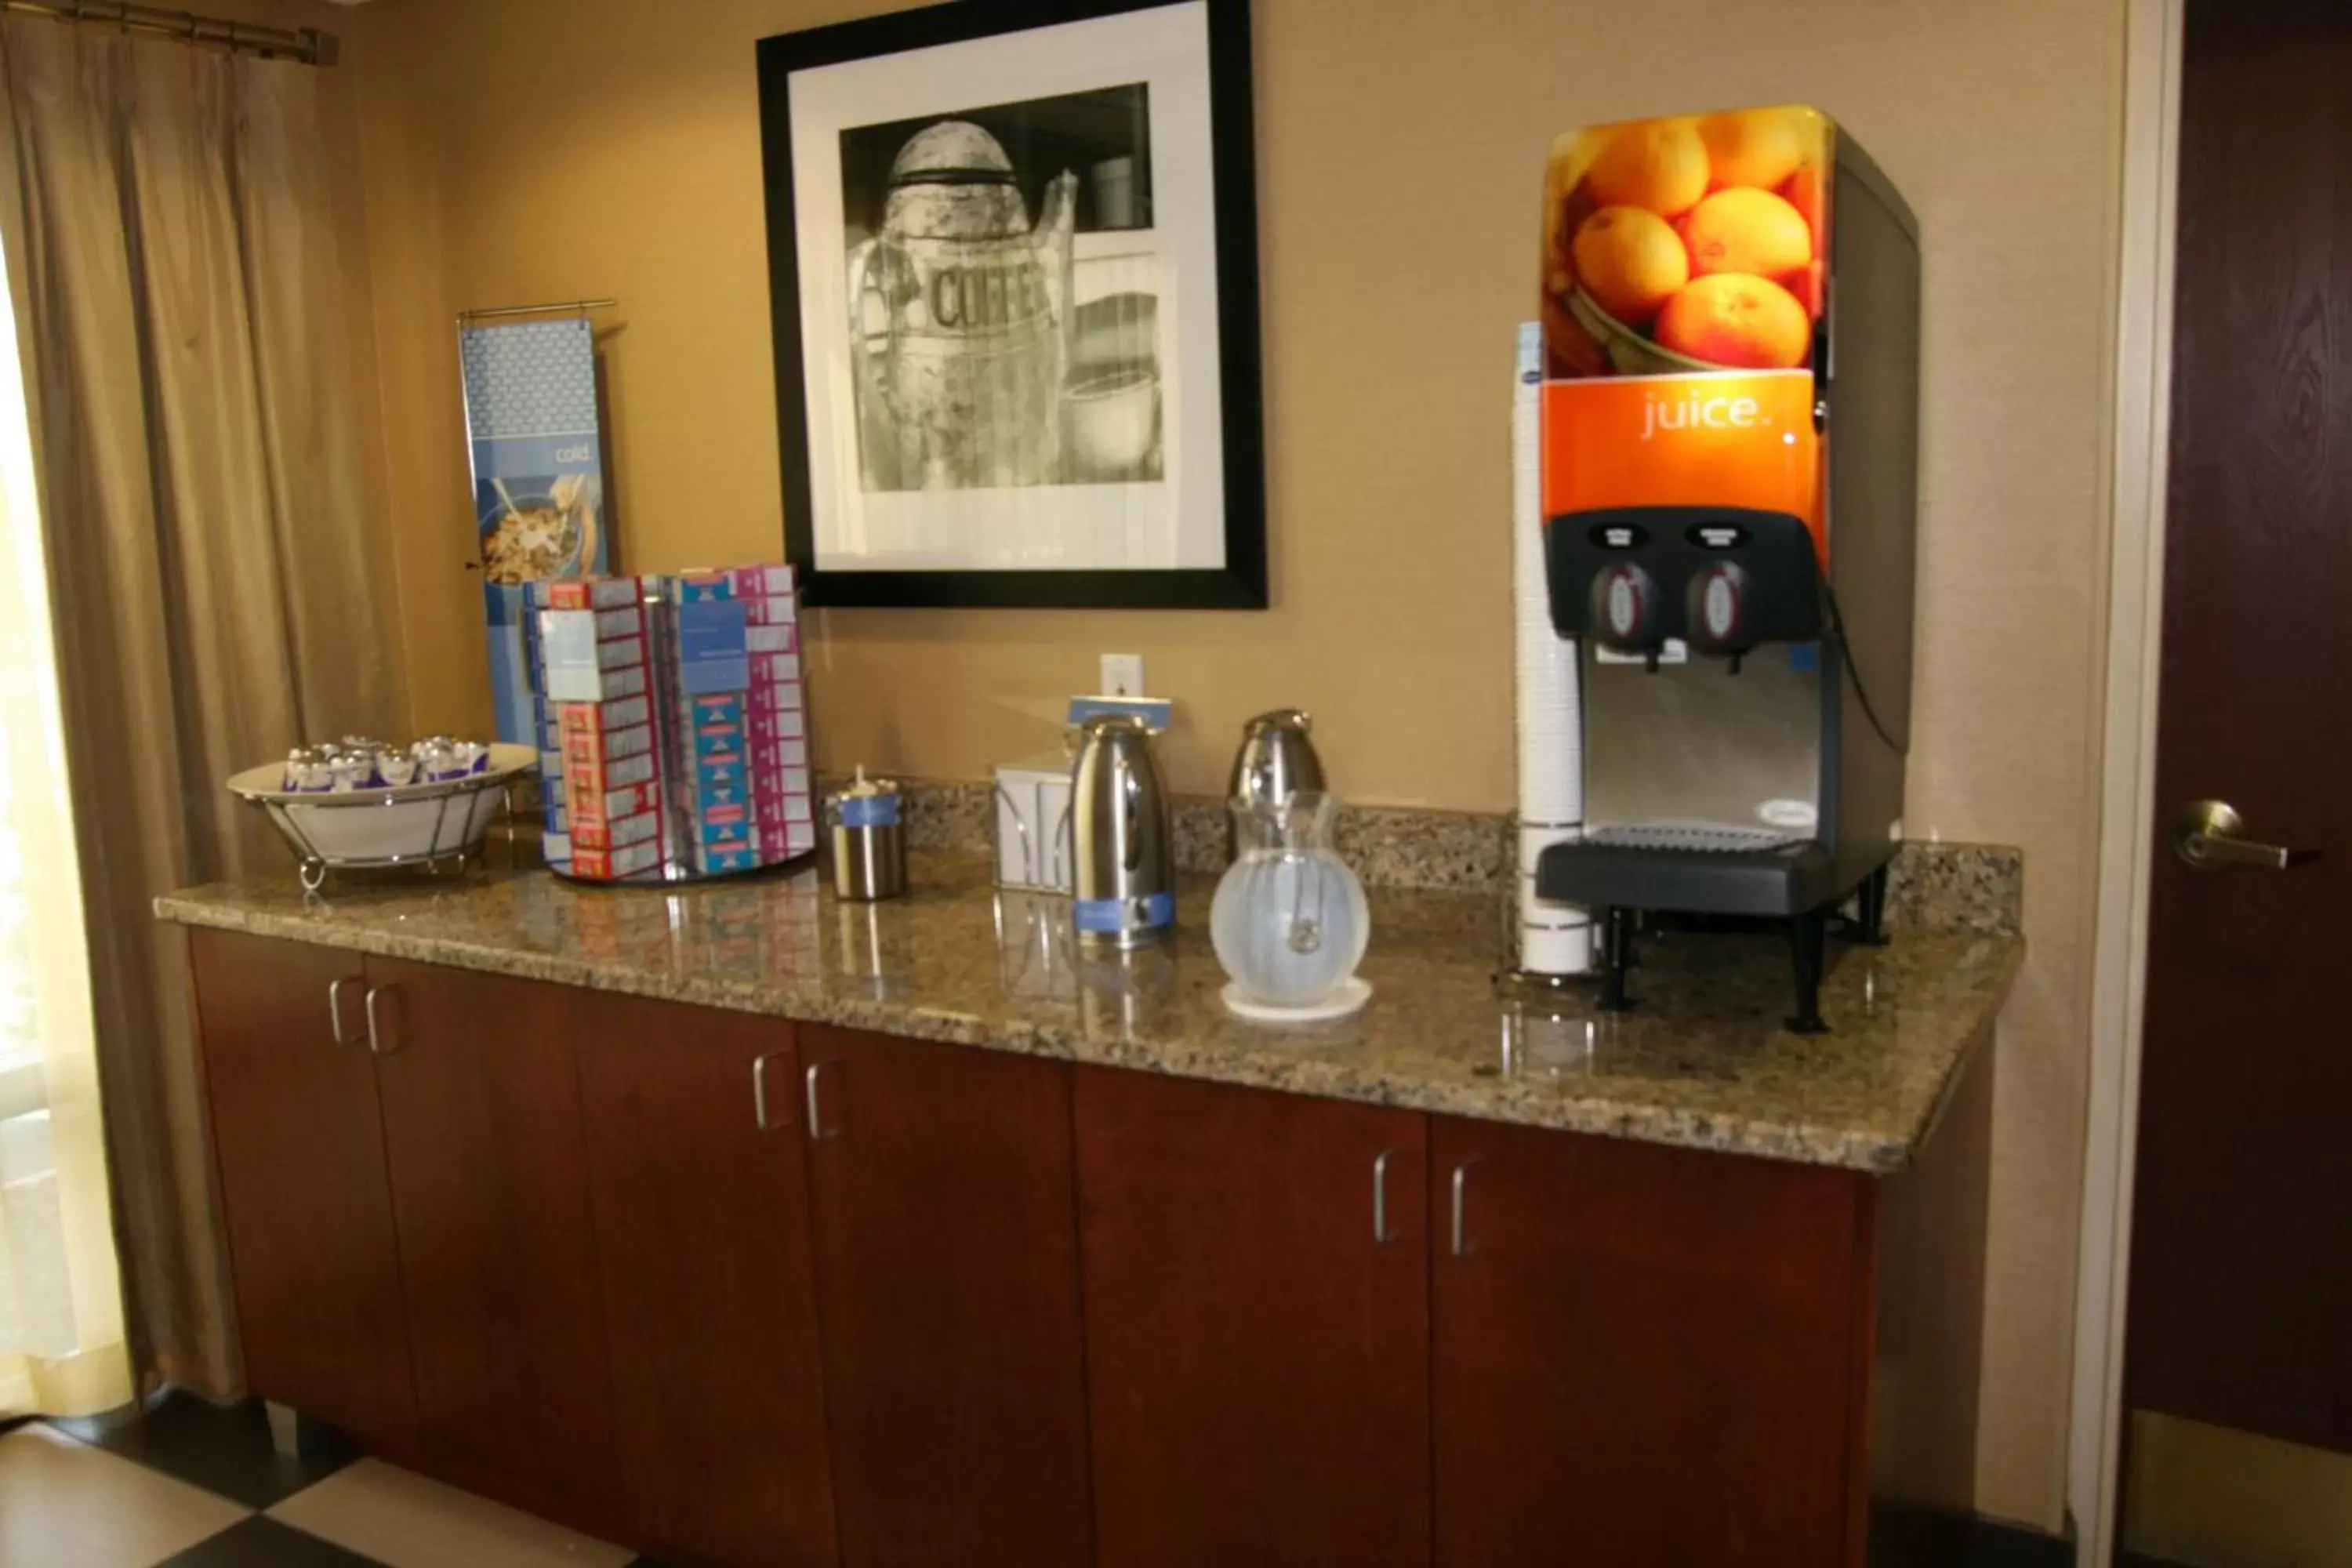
[[760, 1091], [335, 1006], [1382, 1235], [1461, 1207], [810, 1080], [2207, 837], [374, 1037]]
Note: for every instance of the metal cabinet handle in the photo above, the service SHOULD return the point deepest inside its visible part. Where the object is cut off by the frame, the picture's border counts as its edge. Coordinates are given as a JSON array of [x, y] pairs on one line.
[[335, 1006], [2209, 836], [817, 1131], [374, 1035], [1461, 1205], [1382, 1234], [759, 1091]]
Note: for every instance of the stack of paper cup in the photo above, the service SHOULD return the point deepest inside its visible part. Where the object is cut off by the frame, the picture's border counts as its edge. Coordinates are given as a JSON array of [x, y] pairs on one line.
[[1554, 938]]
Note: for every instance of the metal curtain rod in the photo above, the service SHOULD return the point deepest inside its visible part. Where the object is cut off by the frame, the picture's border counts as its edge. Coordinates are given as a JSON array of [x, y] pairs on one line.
[[307, 46], [564, 308]]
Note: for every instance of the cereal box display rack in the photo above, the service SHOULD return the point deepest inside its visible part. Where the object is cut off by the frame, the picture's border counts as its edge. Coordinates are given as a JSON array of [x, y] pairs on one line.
[[672, 723]]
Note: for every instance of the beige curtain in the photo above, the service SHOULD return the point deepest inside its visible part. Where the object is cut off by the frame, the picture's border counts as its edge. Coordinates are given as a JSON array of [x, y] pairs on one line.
[[62, 1349], [173, 269]]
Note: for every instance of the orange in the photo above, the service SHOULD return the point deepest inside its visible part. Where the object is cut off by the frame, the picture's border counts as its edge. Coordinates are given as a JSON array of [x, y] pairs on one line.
[[1807, 190], [1736, 320], [1744, 230], [1630, 261], [1657, 165], [1809, 284], [1756, 147]]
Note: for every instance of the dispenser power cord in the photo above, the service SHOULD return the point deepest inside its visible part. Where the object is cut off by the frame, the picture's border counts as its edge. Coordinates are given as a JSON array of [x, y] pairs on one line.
[[1854, 670]]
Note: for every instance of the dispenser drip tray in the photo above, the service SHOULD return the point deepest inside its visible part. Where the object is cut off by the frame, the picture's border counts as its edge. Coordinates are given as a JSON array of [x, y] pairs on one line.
[[1698, 838], [1710, 869], [1699, 868]]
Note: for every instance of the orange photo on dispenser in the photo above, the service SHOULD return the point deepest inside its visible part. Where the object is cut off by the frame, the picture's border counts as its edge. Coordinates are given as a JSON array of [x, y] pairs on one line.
[[1690, 242], [1683, 260]]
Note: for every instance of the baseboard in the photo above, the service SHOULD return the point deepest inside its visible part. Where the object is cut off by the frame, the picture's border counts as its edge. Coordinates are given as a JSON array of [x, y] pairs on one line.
[[1997, 1544]]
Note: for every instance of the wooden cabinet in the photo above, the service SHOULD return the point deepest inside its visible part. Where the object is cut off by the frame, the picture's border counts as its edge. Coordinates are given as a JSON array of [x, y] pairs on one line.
[[743, 1292], [700, 1195], [941, 1189], [300, 1147], [1656, 1355], [489, 1187], [1257, 1325]]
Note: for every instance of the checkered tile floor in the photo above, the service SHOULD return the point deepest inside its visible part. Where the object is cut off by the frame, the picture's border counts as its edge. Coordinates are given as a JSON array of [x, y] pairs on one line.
[[188, 1485]]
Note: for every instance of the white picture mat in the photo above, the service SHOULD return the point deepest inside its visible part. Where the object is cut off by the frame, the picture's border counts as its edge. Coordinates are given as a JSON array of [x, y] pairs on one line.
[[1178, 522]]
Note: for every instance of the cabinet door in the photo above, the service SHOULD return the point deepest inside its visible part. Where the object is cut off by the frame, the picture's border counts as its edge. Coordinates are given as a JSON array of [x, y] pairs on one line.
[[1257, 1270], [701, 1204], [947, 1280], [1645, 1356], [490, 1185], [298, 1145]]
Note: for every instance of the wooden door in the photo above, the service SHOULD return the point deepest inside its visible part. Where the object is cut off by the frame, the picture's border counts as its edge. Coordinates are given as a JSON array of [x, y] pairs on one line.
[[701, 1208], [299, 1144], [1257, 1356], [1646, 1357], [2242, 1215], [490, 1185], [941, 1187]]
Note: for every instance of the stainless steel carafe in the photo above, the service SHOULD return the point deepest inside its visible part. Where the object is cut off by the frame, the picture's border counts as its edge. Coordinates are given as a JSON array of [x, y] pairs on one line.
[[1276, 761], [1124, 893]]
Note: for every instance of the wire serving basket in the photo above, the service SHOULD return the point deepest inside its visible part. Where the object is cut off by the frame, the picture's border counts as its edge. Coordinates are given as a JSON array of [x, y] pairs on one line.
[[439, 825]]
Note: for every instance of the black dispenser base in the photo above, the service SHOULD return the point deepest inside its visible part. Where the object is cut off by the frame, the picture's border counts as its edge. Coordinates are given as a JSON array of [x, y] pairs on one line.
[[1796, 883]]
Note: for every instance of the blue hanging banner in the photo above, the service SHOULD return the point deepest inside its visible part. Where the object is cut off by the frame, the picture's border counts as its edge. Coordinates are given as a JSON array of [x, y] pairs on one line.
[[538, 488]]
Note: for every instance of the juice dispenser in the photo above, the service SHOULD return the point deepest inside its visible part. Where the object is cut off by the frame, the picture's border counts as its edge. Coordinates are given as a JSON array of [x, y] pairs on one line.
[[1730, 435]]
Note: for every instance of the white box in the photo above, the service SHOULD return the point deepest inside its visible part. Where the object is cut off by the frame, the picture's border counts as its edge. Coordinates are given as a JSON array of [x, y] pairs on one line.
[[1033, 825]]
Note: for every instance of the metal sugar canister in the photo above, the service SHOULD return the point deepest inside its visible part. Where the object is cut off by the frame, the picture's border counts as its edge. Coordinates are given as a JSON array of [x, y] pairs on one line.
[[869, 841]]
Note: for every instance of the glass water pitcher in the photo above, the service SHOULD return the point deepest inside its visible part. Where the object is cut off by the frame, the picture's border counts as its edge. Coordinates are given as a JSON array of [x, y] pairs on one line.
[[1289, 922]]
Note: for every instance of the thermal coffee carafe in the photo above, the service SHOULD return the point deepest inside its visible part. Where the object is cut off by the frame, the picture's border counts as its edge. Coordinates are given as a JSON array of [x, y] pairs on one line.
[[1275, 761], [1125, 892], [1729, 437]]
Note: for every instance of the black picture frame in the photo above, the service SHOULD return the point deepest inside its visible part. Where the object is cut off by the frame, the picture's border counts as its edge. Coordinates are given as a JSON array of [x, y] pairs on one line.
[[1241, 583]]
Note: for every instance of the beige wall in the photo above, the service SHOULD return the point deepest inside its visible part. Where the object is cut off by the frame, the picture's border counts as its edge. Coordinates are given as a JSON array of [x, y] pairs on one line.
[[529, 149]]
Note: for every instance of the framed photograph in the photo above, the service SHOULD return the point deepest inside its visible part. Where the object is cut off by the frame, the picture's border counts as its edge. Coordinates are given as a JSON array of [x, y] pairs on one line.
[[1013, 250]]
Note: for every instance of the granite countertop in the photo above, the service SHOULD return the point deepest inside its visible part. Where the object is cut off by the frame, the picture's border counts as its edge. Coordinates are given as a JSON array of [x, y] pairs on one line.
[[1701, 1062]]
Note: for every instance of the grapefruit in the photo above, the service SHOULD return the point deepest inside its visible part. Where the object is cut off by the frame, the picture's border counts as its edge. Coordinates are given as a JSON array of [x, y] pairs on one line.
[[1630, 261], [1807, 190], [1756, 147], [1745, 230], [1737, 319], [1656, 165]]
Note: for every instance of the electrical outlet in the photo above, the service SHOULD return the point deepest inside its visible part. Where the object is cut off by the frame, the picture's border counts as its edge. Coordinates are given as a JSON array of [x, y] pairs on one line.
[[1122, 675]]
